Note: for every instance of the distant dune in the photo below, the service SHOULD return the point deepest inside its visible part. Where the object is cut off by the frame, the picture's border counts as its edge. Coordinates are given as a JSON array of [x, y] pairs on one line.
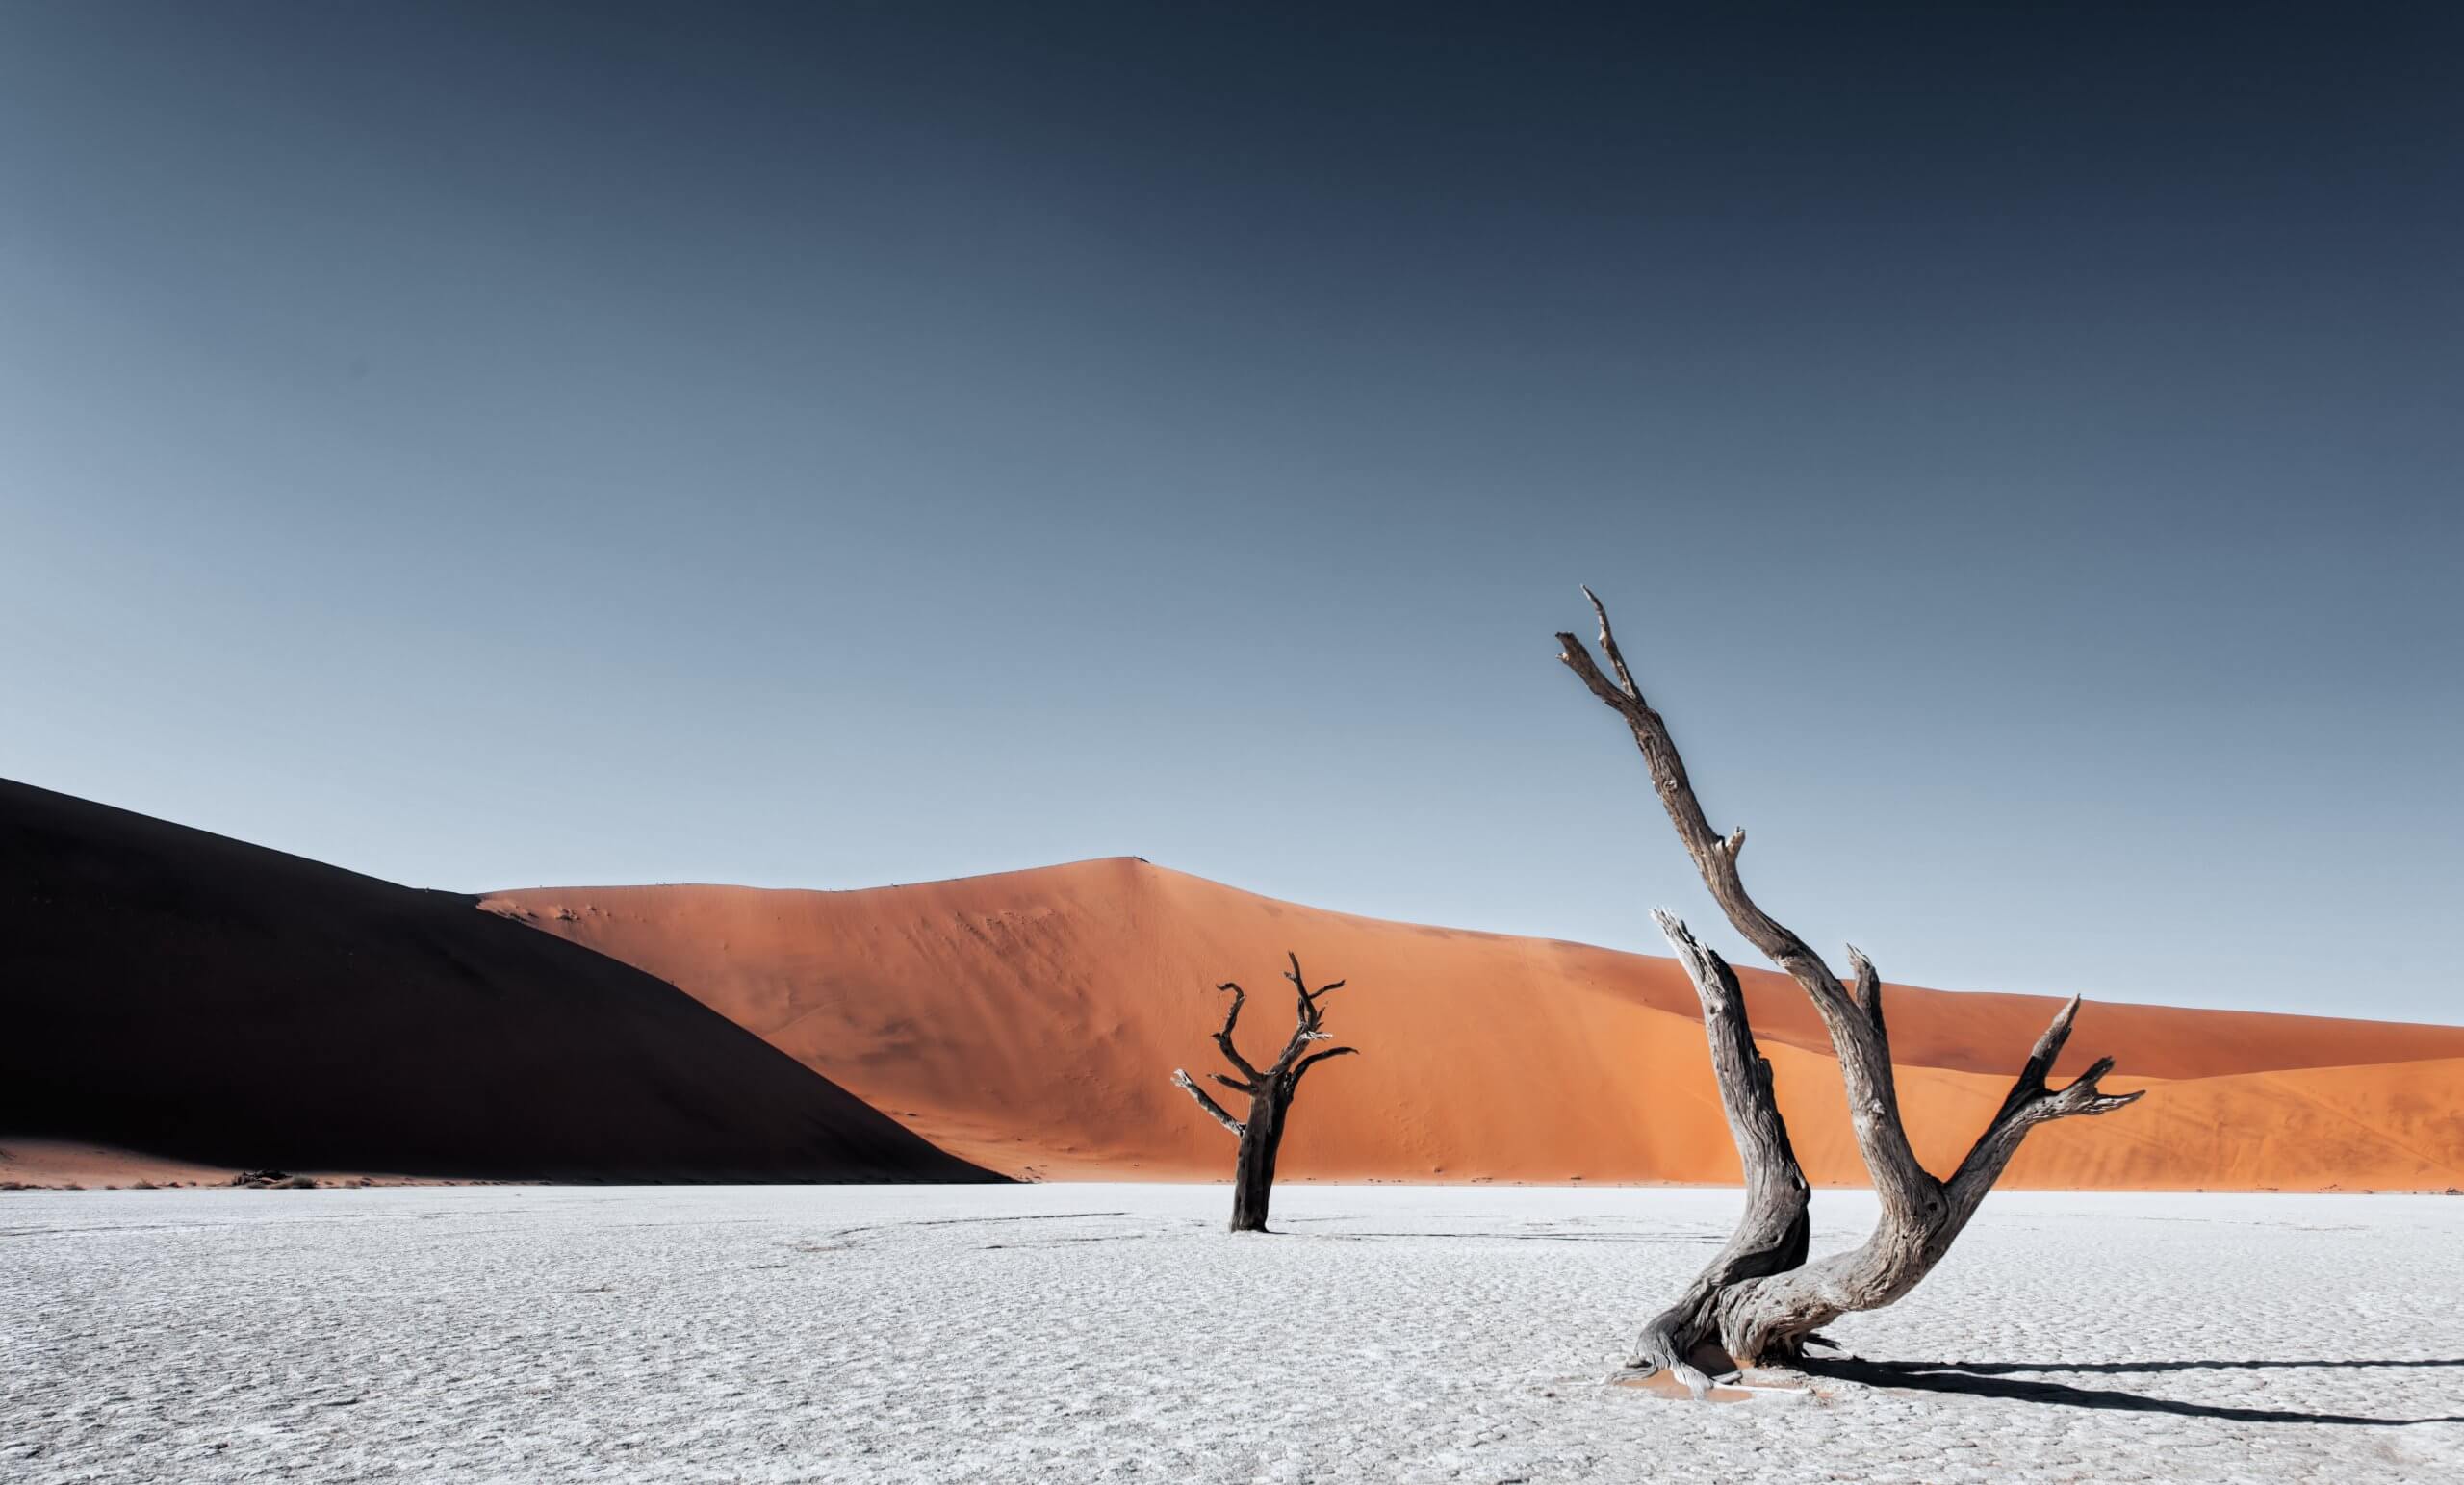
[[1030, 1021], [216, 1005]]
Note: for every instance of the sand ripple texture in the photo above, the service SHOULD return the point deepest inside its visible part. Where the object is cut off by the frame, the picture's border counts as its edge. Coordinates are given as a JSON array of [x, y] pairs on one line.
[[1084, 1332]]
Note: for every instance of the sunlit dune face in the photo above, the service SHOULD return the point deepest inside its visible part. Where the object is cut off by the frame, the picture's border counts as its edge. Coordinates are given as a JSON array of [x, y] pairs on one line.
[[1031, 1021]]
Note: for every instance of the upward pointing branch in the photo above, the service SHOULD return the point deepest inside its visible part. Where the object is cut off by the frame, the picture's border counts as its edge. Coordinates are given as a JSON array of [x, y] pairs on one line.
[[1308, 1019], [1715, 857], [2030, 1103], [1608, 645], [1315, 1058], [1223, 1037], [1856, 1030]]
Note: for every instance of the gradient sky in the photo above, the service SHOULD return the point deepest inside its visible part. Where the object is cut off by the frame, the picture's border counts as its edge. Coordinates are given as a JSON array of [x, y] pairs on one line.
[[850, 444]]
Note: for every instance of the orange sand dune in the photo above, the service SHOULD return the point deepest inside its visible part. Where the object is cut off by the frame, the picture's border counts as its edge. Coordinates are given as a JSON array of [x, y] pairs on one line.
[[1030, 1021]]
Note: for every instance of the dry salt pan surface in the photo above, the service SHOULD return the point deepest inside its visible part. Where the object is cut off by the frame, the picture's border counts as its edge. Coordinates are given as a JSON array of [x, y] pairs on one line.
[[1069, 1333]]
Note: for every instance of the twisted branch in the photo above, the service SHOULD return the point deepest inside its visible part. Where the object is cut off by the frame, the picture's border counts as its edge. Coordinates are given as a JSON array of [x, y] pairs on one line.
[[1223, 1037], [1315, 1058], [1772, 1234]]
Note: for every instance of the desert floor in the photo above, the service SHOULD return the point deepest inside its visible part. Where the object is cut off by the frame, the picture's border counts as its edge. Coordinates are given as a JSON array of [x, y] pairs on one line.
[[1085, 1332]]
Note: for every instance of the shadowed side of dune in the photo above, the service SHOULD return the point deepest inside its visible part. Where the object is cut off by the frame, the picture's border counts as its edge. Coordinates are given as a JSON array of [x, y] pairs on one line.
[[1029, 1020], [195, 997]]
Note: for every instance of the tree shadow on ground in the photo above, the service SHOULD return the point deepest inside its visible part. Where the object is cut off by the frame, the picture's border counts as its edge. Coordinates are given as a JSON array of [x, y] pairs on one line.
[[1993, 1379], [1705, 1240]]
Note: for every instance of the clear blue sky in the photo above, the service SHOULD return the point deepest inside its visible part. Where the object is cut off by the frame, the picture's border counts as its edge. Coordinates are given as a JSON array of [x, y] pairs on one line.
[[853, 444]]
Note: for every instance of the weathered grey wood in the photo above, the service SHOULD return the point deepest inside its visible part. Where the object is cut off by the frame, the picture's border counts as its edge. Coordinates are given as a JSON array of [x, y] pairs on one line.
[[1772, 1234], [1872, 1102], [1271, 1094], [1769, 1315]]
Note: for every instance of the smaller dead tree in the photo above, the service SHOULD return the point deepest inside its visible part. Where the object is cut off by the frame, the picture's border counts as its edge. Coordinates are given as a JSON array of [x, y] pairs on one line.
[[1270, 1089]]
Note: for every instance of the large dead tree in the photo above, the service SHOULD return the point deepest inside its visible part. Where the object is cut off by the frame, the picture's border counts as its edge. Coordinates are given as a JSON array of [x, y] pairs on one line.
[[1270, 1090], [1760, 1301]]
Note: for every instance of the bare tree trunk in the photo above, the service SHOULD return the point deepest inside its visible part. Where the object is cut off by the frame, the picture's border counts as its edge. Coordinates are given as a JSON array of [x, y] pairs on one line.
[[1271, 1094], [1759, 1298], [1253, 1169]]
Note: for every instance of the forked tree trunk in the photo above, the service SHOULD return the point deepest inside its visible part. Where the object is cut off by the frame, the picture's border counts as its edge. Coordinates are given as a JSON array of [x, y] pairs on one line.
[[1271, 1094], [1760, 1302]]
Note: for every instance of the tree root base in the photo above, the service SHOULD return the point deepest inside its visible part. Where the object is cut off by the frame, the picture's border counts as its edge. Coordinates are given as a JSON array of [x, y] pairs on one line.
[[1755, 1385], [1660, 1382]]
